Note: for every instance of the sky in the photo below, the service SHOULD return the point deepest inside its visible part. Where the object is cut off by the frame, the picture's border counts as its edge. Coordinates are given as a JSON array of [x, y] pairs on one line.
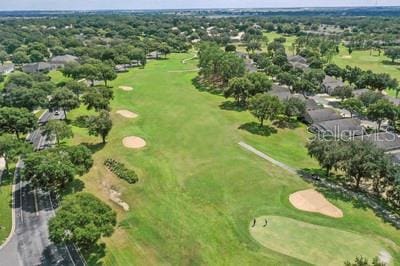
[[180, 4]]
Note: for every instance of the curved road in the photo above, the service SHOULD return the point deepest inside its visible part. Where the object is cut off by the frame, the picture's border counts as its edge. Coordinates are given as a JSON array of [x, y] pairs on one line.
[[29, 242]]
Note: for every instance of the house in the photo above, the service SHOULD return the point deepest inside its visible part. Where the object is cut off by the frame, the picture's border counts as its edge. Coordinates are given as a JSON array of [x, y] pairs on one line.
[[312, 105], [321, 115], [154, 55], [340, 128], [393, 100], [6, 69], [357, 93], [61, 60], [283, 93], [329, 84], [297, 59], [387, 141], [37, 67], [122, 68]]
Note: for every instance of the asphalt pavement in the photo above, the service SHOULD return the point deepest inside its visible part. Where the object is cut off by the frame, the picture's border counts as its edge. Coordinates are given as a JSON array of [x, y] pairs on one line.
[[30, 244]]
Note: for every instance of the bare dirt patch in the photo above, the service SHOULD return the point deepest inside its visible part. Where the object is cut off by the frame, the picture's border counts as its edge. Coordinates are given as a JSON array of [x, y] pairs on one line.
[[115, 196], [133, 142], [127, 114], [313, 201], [125, 88]]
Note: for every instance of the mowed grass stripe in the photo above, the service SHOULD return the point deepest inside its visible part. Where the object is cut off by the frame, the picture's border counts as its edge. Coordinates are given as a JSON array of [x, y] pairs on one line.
[[198, 189]]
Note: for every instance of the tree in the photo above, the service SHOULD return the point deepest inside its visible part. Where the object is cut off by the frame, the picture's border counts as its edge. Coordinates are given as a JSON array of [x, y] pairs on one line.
[[81, 157], [304, 87], [36, 56], [16, 121], [57, 129], [261, 82], [393, 53], [11, 148], [230, 48], [294, 107], [19, 79], [100, 125], [343, 92], [48, 170], [333, 70], [3, 56], [370, 97], [76, 87], [252, 46], [327, 152], [98, 98], [239, 88], [353, 105], [107, 73], [82, 220], [63, 99], [20, 58], [30, 99], [286, 78], [380, 111], [264, 106]]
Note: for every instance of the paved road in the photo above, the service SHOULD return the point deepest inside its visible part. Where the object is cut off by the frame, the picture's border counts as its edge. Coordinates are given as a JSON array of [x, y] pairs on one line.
[[30, 244], [268, 158]]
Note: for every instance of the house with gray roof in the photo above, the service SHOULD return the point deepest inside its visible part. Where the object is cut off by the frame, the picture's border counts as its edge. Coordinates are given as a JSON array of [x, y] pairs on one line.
[[6, 69], [357, 93], [37, 67], [321, 115], [298, 61], [154, 55], [340, 128], [387, 141], [329, 84], [61, 60]]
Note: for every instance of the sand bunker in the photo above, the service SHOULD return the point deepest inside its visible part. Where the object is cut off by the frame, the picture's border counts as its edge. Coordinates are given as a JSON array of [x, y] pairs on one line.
[[125, 88], [346, 56], [127, 114], [133, 142], [313, 201]]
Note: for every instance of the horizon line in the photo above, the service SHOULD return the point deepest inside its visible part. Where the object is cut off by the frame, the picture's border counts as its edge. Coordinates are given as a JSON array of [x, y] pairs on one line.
[[196, 8]]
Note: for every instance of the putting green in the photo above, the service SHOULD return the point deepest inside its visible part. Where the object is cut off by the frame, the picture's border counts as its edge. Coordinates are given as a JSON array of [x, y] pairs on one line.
[[315, 244]]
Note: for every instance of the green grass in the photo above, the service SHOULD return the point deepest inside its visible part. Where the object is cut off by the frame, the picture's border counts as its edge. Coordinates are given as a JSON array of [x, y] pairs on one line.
[[318, 245], [368, 61], [5, 208], [57, 77], [271, 36], [198, 189]]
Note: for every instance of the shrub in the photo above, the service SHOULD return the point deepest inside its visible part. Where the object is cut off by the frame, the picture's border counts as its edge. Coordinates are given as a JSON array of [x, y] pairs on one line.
[[121, 171]]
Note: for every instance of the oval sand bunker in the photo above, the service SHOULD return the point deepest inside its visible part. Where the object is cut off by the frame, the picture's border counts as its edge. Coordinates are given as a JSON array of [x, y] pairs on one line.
[[313, 201], [133, 142], [125, 88], [127, 114]]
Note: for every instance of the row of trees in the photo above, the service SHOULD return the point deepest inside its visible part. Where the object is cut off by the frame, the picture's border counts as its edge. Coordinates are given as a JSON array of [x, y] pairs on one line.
[[361, 163]]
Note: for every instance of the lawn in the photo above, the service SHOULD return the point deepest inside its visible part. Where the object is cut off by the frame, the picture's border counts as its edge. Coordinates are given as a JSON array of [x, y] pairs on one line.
[[5, 210], [271, 36], [198, 188], [368, 61], [318, 245]]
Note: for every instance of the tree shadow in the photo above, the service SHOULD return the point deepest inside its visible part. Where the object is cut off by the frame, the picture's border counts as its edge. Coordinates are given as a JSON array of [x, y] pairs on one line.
[[202, 87], [232, 106], [75, 186], [81, 121], [390, 63], [94, 147], [290, 124], [255, 128], [95, 254]]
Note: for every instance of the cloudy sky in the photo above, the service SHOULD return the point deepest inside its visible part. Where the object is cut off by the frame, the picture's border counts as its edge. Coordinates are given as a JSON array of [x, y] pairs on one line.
[[175, 4]]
